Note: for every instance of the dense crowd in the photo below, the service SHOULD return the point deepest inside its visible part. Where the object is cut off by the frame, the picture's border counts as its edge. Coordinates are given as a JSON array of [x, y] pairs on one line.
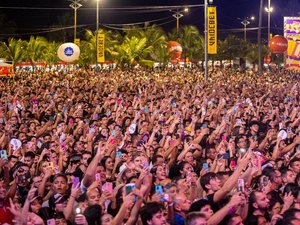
[[150, 147]]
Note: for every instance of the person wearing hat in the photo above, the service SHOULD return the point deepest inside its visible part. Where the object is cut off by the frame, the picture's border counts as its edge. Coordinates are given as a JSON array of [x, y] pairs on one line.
[[253, 128]]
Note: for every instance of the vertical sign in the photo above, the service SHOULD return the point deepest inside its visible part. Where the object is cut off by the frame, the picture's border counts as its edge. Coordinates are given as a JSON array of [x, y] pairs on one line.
[[100, 48], [212, 29], [77, 42], [292, 34]]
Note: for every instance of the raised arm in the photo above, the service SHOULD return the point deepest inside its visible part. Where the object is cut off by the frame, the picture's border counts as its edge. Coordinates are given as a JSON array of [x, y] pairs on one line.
[[232, 180]]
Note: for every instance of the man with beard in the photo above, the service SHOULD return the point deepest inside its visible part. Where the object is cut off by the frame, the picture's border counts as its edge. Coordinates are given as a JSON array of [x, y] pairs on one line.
[[258, 205]]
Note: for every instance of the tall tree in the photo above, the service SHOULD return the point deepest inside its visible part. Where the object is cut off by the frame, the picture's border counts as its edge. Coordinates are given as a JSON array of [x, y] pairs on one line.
[[252, 55], [34, 50], [232, 47], [192, 42], [134, 51], [88, 47], [155, 36], [50, 53], [13, 50]]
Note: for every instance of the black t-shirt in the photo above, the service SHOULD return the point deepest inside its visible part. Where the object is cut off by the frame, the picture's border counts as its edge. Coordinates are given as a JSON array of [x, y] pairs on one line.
[[214, 206], [78, 173], [251, 219]]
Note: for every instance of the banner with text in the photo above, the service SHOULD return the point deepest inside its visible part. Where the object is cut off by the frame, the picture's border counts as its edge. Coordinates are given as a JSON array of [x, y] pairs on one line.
[[292, 34], [100, 48], [212, 29]]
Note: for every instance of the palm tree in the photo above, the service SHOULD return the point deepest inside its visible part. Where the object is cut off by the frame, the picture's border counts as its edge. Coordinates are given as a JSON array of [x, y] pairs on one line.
[[252, 54], [90, 46], [88, 51], [34, 50], [233, 47], [156, 38], [192, 42], [87, 54], [50, 54], [13, 50], [161, 54], [134, 51], [112, 40]]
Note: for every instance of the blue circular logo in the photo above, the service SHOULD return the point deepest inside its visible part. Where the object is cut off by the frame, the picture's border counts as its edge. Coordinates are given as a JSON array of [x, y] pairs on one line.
[[69, 51]]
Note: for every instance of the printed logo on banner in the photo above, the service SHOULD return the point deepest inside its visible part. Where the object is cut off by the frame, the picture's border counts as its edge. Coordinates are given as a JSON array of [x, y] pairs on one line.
[[69, 51]]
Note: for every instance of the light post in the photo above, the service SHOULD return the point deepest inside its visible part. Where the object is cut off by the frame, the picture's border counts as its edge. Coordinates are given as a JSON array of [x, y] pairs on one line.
[[177, 15], [246, 22], [206, 38], [97, 29], [259, 36], [269, 9], [75, 5]]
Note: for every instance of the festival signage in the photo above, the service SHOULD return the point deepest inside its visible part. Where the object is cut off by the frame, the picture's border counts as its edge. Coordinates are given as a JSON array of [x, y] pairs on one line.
[[292, 34], [212, 29], [100, 48]]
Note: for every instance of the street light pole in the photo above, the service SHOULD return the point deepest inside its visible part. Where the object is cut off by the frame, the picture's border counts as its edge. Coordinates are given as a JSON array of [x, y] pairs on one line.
[[259, 36], [206, 40], [97, 30], [75, 5], [246, 22], [269, 9], [177, 15], [269, 19]]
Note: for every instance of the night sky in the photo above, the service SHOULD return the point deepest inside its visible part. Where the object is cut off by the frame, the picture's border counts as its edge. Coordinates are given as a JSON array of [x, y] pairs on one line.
[[34, 21]]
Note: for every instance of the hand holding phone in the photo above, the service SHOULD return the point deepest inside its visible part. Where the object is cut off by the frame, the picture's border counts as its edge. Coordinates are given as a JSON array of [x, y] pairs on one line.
[[51, 166], [119, 154], [241, 185], [232, 164], [51, 222], [265, 181], [159, 191], [75, 182], [129, 188], [109, 187], [71, 121], [3, 154], [224, 156], [205, 166]]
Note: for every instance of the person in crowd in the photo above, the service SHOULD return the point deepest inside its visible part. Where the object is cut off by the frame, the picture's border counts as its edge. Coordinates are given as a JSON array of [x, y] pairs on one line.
[[150, 146]]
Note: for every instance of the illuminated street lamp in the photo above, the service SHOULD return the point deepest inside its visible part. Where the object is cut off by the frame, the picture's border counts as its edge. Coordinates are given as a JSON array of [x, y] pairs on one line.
[[269, 9], [75, 5], [177, 15], [246, 22]]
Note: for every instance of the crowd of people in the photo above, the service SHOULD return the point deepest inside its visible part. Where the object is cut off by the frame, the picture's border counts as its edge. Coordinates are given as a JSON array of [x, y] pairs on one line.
[[150, 147]]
